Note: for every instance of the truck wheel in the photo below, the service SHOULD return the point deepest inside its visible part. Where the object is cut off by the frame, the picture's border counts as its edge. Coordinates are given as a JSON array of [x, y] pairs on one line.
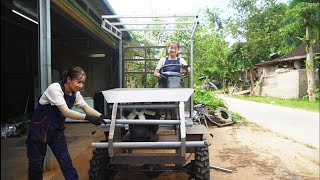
[[99, 165], [201, 164], [223, 115]]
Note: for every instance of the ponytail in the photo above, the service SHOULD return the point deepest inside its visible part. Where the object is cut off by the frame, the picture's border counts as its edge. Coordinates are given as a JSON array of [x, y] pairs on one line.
[[73, 73]]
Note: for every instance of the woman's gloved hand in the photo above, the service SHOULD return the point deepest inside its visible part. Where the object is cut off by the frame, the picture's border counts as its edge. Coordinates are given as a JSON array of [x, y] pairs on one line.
[[161, 76], [103, 116], [95, 120]]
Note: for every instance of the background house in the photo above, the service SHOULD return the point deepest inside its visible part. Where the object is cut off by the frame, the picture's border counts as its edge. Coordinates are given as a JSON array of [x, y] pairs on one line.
[[286, 77]]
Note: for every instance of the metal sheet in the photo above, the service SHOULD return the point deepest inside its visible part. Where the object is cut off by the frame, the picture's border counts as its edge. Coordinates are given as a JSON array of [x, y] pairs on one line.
[[131, 95]]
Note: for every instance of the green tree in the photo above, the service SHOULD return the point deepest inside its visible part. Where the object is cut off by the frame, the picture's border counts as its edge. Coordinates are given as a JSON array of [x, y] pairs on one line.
[[257, 24], [211, 49], [305, 14]]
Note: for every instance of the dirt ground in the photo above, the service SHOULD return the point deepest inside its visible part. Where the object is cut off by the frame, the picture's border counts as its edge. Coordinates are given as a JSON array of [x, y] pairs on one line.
[[250, 151], [255, 153]]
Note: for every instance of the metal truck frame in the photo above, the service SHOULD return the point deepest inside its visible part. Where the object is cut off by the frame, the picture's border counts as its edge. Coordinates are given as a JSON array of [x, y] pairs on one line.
[[149, 130]]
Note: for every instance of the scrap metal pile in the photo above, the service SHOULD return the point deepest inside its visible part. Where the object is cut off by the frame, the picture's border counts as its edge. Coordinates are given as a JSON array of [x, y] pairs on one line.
[[220, 117]]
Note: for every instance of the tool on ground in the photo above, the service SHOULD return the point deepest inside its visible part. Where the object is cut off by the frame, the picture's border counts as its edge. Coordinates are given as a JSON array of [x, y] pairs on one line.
[[221, 169]]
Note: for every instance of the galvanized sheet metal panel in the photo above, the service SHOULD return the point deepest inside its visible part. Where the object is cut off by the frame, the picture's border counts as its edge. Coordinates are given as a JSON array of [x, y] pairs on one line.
[[130, 95]]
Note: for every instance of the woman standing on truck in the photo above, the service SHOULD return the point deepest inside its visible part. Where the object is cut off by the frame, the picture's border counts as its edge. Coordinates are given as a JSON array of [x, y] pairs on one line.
[[47, 123], [172, 58]]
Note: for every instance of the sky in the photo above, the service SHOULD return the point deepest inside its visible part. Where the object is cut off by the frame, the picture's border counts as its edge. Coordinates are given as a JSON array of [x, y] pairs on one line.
[[166, 7], [169, 7]]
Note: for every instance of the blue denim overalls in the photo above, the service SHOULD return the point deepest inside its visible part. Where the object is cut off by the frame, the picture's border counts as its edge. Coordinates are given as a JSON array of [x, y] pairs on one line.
[[163, 82], [47, 128]]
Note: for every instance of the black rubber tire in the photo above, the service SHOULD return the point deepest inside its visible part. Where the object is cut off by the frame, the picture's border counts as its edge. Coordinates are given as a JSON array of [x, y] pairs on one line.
[[223, 115], [99, 165], [201, 167]]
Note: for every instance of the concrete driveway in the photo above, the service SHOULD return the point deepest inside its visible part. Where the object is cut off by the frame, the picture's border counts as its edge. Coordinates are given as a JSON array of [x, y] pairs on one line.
[[300, 125]]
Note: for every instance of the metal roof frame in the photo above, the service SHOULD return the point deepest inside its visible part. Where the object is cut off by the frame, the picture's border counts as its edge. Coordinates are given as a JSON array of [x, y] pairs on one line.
[[112, 28]]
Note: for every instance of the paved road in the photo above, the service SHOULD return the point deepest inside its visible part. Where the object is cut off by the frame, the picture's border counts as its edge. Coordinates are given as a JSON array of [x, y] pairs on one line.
[[300, 125]]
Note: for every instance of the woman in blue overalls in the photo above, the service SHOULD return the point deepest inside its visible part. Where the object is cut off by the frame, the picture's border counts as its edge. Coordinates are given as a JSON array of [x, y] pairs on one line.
[[47, 123], [172, 58]]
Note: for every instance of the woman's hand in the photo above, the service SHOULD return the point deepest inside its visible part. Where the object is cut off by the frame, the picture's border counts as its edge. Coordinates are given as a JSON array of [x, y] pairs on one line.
[[95, 120], [157, 74]]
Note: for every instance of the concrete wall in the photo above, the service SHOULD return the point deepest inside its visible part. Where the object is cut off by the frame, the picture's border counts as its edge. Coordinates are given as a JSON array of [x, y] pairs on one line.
[[286, 83], [269, 70]]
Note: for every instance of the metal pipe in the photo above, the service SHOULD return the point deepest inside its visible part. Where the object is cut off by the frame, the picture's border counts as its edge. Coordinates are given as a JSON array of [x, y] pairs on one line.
[[117, 125], [149, 23], [44, 36], [145, 122], [164, 29], [141, 16], [191, 76], [148, 144], [147, 106], [76, 121], [153, 23], [194, 29], [120, 62], [221, 169]]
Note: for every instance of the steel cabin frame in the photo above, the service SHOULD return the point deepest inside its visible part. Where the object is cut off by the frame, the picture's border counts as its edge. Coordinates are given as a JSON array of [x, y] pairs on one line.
[[142, 98], [109, 25]]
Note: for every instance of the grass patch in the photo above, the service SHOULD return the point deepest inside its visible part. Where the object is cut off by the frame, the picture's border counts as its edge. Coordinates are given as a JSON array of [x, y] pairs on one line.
[[293, 103], [240, 120]]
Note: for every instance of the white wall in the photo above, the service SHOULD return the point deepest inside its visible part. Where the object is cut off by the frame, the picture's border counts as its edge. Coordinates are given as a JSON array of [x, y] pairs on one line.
[[286, 83]]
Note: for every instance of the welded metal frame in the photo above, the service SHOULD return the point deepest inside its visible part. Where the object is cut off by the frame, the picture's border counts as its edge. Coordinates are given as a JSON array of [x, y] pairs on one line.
[[182, 144], [145, 72], [121, 96], [112, 28]]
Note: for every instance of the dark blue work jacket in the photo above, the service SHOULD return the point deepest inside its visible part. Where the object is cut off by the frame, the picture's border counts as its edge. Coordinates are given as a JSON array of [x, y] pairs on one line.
[[172, 68], [47, 119], [163, 82]]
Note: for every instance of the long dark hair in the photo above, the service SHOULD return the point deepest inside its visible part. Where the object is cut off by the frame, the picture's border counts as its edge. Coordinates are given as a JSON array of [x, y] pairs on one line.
[[74, 72]]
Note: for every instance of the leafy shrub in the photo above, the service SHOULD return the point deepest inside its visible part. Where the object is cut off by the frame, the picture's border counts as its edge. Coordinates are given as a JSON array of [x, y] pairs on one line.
[[306, 97], [207, 97]]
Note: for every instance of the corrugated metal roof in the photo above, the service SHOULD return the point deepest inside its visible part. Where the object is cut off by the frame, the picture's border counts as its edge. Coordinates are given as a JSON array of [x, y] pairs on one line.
[[298, 53]]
